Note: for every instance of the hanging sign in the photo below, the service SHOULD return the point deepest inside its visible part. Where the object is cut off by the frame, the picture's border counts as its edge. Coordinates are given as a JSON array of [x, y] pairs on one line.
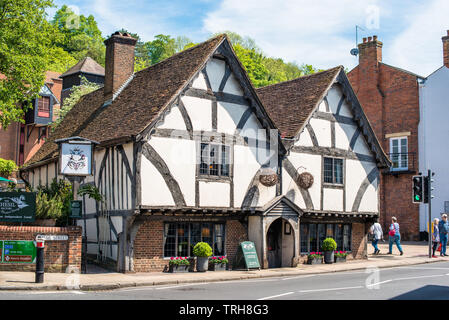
[[76, 159], [17, 206], [76, 209]]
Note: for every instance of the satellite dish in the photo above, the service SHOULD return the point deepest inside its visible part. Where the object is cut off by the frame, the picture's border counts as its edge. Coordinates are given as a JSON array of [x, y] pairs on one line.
[[355, 52]]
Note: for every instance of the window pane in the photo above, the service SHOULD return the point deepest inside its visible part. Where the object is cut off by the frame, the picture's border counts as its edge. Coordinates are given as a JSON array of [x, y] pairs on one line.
[[43, 107], [312, 237], [183, 240], [395, 146], [329, 230], [328, 172], [338, 167], [304, 237], [321, 234], [169, 240], [213, 160], [195, 235], [339, 236], [206, 233], [219, 240], [204, 159], [225, 161], [347, 237]]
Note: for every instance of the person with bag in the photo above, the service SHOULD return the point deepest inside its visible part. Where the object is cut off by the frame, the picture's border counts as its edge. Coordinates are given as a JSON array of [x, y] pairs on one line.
[[443, 228], [435, 236], [395, 237], [376, 231]]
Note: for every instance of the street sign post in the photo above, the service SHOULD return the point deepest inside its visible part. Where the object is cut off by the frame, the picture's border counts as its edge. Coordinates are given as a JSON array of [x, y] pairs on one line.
[[18, 251]]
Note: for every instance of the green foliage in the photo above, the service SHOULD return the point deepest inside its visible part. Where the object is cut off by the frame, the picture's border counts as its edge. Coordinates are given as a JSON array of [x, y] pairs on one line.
[[329, 244], [202, 249], [77, 92], [315, 255], [218, 260], [7, 167], [341, 254], [53, 202], [91, 191], [78, 35], [179, 261], [24, 43]]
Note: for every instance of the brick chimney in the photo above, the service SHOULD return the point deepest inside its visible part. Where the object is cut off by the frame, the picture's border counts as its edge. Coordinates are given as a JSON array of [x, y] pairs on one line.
[[119, 62], [446, 49], [370, 51]]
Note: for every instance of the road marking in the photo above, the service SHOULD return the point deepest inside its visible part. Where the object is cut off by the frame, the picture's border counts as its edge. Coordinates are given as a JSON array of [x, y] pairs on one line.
[[330, 289], [431, 268], [77, 292], [299, 277], [377, 283], [411, 278], [276, 296]]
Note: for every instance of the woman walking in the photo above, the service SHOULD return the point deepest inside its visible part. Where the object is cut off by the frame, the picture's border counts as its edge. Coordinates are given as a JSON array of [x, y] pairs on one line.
[[435, 236], [376, 231], [395, 237]]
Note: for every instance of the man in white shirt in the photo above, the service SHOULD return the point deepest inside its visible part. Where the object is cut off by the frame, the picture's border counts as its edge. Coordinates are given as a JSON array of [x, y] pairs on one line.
[[376, 231]]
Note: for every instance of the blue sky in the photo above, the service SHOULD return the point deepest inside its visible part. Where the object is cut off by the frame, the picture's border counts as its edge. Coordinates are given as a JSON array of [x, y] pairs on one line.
[[319, 32]]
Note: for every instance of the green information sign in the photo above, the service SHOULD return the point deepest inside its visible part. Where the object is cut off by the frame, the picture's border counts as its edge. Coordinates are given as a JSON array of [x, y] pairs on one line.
[[247, 253], [76, 209], [17, 206], [18, 251]]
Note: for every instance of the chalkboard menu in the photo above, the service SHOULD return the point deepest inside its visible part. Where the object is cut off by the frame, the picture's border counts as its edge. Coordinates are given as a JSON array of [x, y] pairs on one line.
[[247, 256]]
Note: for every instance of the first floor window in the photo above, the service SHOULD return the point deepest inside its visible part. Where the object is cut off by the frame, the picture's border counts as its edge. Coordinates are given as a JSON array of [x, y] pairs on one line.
[[313, 234], [43, 107], [180, 238], [214, 159], [333, 170], [399, 153]]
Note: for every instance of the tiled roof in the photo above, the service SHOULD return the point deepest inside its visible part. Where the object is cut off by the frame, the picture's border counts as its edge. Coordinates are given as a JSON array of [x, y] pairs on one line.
[[136, 107], [87, 65], [290, 103]]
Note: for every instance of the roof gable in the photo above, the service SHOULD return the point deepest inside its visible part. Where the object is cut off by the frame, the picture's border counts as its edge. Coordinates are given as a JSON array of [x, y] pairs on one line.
[[87, 65]]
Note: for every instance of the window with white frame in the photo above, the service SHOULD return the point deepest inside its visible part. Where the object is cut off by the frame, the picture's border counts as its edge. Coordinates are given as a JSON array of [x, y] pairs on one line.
[[214, 160], [399, 153]]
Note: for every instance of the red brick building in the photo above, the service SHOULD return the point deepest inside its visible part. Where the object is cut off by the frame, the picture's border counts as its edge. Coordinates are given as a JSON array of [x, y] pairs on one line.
[[390, 98]]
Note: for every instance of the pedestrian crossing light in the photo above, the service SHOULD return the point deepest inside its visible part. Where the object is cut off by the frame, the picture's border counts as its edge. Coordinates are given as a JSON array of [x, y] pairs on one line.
[[417, 189]]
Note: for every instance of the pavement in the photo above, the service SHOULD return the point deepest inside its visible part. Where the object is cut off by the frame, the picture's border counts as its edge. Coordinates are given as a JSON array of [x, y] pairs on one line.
[[414, 253]]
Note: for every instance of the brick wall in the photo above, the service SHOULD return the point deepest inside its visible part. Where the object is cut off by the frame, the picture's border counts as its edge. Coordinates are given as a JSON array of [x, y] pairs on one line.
[[58, 254], [359, 241], [235, 233], [149, 247]]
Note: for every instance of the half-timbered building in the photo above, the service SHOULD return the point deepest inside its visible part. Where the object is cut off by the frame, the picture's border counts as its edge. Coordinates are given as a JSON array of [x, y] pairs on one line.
[[189, 151]]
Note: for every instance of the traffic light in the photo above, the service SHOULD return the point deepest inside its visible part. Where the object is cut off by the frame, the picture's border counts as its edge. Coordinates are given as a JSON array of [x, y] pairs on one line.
[[417, 189], [428, 188]]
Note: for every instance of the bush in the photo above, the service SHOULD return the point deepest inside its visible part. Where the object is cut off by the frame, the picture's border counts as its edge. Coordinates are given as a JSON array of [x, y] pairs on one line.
[[202, 249], [329, 244], [179, 261], [340, 254], [314, 255], [218, 260], [53, 202], [7, 167]]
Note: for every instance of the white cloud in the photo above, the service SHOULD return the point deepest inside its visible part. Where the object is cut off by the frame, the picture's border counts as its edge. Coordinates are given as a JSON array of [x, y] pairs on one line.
[[314, 32], [419, 48]]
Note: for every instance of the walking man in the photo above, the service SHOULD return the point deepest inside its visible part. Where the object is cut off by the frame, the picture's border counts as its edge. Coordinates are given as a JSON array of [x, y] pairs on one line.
[[376, 231], [395, 237], [443, 228], [435, 236]]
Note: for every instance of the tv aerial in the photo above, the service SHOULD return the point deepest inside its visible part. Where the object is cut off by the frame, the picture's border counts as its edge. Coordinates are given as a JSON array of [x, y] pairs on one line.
[[355, 51]]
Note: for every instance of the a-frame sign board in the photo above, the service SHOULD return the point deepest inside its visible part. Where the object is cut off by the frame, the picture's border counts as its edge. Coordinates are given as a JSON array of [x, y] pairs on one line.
[[246, 257]]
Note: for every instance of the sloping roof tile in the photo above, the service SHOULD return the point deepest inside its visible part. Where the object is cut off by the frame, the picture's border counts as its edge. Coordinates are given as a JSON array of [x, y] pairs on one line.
[[87, 65]]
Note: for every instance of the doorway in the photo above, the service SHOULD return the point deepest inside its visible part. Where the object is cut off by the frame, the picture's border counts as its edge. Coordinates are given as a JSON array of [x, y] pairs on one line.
[[280, 244]]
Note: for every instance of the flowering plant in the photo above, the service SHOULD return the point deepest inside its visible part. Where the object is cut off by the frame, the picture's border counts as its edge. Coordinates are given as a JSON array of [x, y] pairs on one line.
[[315, 255], [340, 254], [179, 261], [218, 260]]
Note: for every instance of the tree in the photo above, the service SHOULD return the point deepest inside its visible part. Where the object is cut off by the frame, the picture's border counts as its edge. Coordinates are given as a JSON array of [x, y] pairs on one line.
[[24, 52], [77, 92], [7, 167]]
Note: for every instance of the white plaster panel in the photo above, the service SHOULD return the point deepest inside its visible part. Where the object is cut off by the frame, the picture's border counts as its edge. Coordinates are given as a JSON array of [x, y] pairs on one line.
[[322, 129], [304, 139], [180, 157], [361, 146], [228, 116], [343, 135], [356, 172], [173, 120], [91, 227], [369, 201], [233, 86], [118, 224], [154, 189], [214, 194], [266, 194], [245, 167], [215, 71], [322, 106], [346, 110], [51, 173], [333, 98], [333, 199], [200, 112], [200, 82], [305, 163], [98, 156]]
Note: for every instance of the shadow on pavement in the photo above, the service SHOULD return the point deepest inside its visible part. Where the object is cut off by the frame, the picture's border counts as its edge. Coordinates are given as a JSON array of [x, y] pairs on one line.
[[430, 292]]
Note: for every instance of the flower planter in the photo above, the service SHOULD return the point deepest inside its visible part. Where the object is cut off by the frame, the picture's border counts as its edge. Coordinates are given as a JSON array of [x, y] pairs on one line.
[[328, 257], [315, 261], [340, 259], [217, 266], [173, 268], [202, 264]]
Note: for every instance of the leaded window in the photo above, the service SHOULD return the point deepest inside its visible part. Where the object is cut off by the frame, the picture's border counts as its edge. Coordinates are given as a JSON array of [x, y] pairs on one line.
[[214, 160], [333, 170], [313, 234]]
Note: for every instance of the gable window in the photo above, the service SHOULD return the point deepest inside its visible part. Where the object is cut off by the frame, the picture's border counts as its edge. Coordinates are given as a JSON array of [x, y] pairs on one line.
[[214, 160], [43, 107], [333, 170], [399, 153]]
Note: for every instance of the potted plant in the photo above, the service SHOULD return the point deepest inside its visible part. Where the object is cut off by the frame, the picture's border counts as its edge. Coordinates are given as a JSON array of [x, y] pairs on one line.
[[202, 251], [329, 246], [218, 263], [340, 256], [178, 264], [314, 258]]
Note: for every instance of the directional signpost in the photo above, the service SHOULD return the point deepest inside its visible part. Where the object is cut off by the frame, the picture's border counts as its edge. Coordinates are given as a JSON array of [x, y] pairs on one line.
[[18, 251]]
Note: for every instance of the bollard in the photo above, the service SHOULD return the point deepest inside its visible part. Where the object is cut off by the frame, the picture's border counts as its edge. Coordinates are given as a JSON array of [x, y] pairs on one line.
[[39, 261]]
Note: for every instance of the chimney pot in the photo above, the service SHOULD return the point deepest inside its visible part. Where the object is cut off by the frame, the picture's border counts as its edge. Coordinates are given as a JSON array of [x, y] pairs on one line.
[[369, 39], [364, 40], [374, 38]]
